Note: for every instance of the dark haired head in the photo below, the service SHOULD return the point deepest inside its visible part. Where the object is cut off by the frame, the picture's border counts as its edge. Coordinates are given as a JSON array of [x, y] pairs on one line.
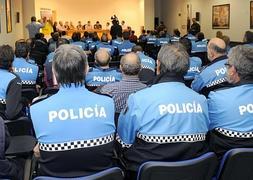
[[86, 34], [187, 44], [21, 49], [33, 18], [61, 41], [248, 37], [6, 57], [200, 36], [76, 36], [177, 32], [126, 35], [69, 65], [56, 36]]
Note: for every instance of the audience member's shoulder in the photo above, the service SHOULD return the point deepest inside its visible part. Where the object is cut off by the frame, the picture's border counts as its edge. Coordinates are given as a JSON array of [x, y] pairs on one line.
[[223, 90]]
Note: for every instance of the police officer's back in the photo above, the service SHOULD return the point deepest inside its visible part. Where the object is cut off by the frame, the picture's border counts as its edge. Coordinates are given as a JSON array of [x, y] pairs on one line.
[[166, 122], [104, 44], [231, 108], [213, 75], [27, 72], [102, 74], [195, 62], [10, 86], [148, 65], [75, 127], [126, 45]]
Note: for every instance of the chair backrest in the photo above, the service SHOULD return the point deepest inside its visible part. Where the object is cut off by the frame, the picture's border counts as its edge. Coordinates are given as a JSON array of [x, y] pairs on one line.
[[201, 168], [114, 173], [236, 164]]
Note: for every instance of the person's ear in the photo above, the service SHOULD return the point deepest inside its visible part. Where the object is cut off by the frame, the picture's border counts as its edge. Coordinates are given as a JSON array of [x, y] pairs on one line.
[[87, 67], [120, 67], [158, 67]]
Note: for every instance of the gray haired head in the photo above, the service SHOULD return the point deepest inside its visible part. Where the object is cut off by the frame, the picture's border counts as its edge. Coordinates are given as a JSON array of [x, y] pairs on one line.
[[173, 59], [130, 64], [69, 65], [241, 57]]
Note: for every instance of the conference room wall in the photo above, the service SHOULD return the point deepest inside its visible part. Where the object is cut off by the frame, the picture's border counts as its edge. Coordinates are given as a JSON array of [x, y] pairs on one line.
[[132, 11], [17, 28], [239, 16]]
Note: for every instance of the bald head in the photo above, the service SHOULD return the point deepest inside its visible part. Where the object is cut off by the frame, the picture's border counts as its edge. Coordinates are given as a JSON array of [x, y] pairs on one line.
[[102, 58], [130, 64], [216, 48]]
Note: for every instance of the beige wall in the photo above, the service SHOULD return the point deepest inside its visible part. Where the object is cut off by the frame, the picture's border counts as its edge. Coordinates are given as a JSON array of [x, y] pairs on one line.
[[17, 28], [239, 15], [28, 12], [149, 14], [131, 10]]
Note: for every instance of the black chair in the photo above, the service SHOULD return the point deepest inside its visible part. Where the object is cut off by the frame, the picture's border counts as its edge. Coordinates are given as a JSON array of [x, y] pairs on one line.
[[114, 173], [29, 94], [236, 164], [20, 126], [201, 168]]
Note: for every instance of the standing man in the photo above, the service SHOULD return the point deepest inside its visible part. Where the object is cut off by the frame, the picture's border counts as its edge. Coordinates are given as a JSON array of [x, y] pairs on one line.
[[195, 27], [34, 27], [116, 29]]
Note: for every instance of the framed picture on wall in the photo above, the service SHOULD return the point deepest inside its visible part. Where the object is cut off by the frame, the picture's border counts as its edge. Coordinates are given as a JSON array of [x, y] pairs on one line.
[[251, 14], [221, 16], [8, 16]]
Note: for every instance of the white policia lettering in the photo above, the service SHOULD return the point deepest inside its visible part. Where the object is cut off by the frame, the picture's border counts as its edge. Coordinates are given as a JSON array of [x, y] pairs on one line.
[[180, 108], [80, 113], [246, 108], [23, 70], [221, 71], [104, 78], [193, 69], [126, 50], [147, 61]]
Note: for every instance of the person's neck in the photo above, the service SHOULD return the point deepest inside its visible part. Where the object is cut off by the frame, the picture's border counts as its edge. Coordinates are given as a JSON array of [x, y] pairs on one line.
[[104, 67]]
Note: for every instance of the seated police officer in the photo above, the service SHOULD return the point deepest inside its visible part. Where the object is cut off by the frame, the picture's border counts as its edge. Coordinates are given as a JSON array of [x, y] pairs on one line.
[[167, 121], [126, 46], [10, 86], [75, 127], [27, 72], [200, 45], [102, 74], [195, 62], [76, 37], [48, 74], [147, 72], [231, 108], [213, 75], [104, 44]]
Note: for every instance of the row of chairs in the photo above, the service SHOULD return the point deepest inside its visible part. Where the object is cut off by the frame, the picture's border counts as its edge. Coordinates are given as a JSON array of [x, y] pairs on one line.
[[235, 165]]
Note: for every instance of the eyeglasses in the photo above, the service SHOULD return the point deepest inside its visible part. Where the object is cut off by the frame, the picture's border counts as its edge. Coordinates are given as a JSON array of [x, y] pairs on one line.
[[227, 65]]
